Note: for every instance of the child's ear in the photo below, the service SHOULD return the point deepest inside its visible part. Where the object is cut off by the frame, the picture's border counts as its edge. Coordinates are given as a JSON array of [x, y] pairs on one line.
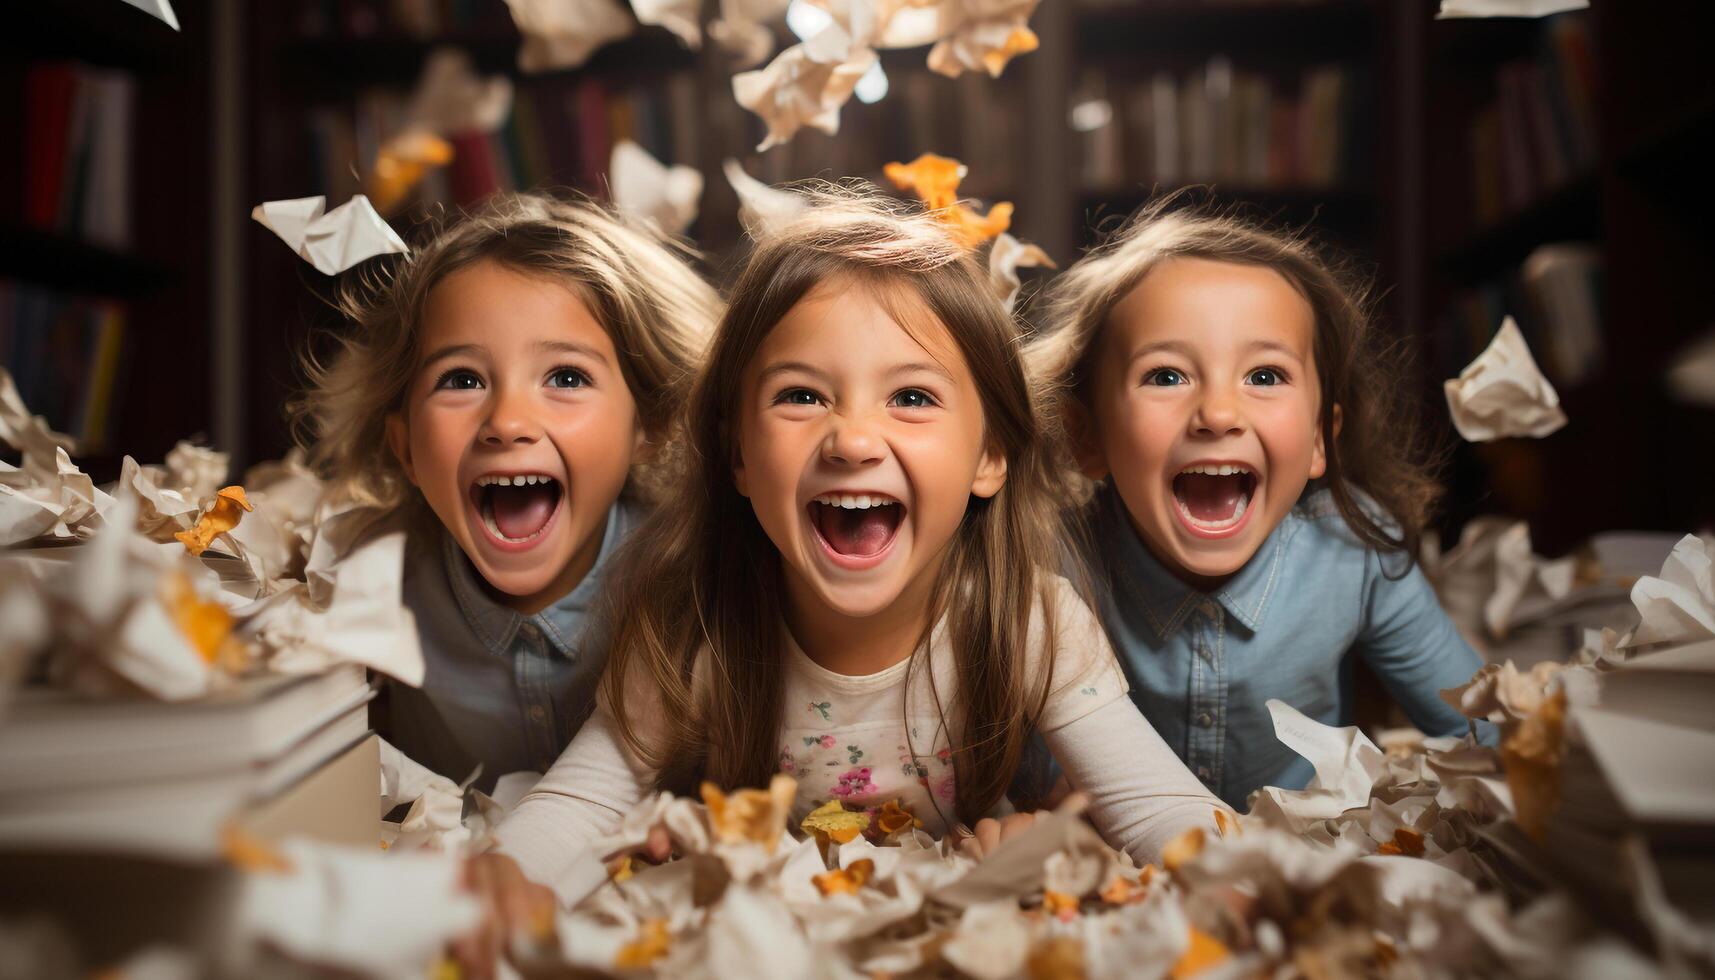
[[1319, 450], [399, 440], [991, 473], [1086, 447], [738, 478]]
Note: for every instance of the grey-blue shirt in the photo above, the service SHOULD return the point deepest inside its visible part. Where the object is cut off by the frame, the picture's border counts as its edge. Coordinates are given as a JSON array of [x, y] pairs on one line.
[[500, 689], [1203, 665]]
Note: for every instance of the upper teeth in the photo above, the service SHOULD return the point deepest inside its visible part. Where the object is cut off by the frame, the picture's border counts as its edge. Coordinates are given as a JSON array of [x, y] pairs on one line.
[[858, 501], [1225, 469], [494, 480]]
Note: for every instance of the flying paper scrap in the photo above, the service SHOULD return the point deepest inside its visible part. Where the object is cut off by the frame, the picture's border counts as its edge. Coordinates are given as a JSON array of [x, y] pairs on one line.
[[805, 85], [1006, 256], [564, 33], [1502, 393], [643, 186], [761, 209], [332, 242], [162, 9], [1507, 8]]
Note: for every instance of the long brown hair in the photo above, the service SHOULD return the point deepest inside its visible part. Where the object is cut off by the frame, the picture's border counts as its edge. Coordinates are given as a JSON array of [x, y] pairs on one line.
[[1380, 461], [698, 598]]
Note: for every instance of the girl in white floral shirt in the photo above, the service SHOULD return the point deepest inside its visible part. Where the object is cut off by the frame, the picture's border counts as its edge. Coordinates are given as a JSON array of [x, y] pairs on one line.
[[856, 584]]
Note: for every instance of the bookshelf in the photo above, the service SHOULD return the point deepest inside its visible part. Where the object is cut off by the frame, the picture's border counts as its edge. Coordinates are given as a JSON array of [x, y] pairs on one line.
[[1634, 204], [102, 246]]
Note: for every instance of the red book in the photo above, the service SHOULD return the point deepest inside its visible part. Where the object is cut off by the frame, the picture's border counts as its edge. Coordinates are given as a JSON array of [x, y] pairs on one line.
[[48, 92], [472, 175]]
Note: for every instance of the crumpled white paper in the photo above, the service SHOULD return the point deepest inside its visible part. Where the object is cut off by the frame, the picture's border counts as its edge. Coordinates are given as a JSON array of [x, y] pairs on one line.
[[332, 242], [1006, 256], [808, 83], [1503, 394], [1679, 606], [160, 9], [641, 185], [450, 98], [982, 35], [48, 496], [1347, 764], [742, 28], [1507, 8], [763, 210], [678, 16], [564, 33]]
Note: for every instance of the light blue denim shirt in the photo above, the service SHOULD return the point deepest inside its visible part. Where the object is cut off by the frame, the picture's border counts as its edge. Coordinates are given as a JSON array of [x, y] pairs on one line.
[[1203, 665], [500, 689]]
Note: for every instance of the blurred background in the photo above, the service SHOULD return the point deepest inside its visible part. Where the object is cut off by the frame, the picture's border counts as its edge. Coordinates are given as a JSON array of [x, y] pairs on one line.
[[1554, 169]]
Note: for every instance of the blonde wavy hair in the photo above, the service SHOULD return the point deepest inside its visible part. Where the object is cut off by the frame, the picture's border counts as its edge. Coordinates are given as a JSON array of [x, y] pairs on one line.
[[696, 666], [640, 287], [1380, 465]]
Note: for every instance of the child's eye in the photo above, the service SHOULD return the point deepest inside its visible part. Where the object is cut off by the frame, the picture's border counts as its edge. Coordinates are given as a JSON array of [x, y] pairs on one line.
[[1164, 378], [458, 379], [568, 378], [797, 396], [1266, 377], [913, 398]]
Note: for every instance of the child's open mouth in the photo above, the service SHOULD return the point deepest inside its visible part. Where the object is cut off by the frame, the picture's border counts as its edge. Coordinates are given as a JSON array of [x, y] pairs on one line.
[[516, 509], [1214, 497], [857, 527]]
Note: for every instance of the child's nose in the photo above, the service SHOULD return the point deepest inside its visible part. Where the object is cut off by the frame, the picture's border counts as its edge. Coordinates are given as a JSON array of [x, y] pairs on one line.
[[1218, 412], [852, 442], [511, 420]]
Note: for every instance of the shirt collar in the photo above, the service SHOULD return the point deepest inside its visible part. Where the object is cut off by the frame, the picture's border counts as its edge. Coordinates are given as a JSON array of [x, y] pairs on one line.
[[561, 623], [1165, 600]]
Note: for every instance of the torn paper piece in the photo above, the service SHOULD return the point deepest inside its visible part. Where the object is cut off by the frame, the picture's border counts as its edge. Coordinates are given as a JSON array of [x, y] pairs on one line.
[[935, 180], [451, 98], [988, 37], [1006, 256], [358, 910], [763, 210], [332, 242], [1451, 9], [641, 185], [49, 498], [1678, 606], [1502, 393], [805, 85], [1347, 764], [742, 28], [678, 16], [28, 434], [159, 9], [195, 471], [564, 33], [1520, 572]]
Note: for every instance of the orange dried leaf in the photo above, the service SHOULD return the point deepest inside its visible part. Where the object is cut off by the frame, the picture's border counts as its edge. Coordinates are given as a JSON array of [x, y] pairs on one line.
[[620, 868], [1022, 40], [1226, 823], [832, 821], [934, 179], [1060, 958], [754, 815], [247, 852], [1405, 841], [401, 165], [651, 944], [847, 880], [1531, 757], [1124, 891], [1060, 905], [1147, 874], [1183, 848], [205, 624], [1204, 952], [892, 818], [229, 506]]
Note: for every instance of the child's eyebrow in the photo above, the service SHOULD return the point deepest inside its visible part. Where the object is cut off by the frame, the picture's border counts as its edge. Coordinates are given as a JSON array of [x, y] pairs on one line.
[[451, 350], [1276, 346], [786, 367], [925, 366], [570, 347], [1172, 346]]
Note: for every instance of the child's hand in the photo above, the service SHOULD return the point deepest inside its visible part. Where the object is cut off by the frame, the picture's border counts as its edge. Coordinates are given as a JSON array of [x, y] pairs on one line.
[[514, 908], [656, 850], [991, 833]]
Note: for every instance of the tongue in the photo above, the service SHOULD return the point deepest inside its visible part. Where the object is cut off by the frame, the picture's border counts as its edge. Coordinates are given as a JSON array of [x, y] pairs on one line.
[[857, 532], [1210, 498], [521, 511]]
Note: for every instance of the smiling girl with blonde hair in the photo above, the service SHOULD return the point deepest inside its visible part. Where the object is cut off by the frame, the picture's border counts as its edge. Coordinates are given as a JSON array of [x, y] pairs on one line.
[[858, 583]]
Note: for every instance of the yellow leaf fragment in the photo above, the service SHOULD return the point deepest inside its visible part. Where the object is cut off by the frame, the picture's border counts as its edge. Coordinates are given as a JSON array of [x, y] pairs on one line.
[[1531, 757], [847, 880], [619, 869], [402, 163], [205, 624], [1022, 40], [229, 506], [1124, 891], [247, 852], [1060, 905], [1060, 958], [892, 818], [1204, 952], [1225, 823], [935, 180], [651, 944], [1183, 848], [1405, 841], [832, 821], [754, 815]]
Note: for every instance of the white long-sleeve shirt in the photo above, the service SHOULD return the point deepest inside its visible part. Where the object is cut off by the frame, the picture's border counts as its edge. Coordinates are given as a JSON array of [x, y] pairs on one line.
[[854, 738]]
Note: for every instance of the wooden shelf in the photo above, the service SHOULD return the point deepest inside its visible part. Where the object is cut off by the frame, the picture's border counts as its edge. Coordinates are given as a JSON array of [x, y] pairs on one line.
[[50, 259], [1571, 212], [100, 32], [1266, 32], [336, 66]]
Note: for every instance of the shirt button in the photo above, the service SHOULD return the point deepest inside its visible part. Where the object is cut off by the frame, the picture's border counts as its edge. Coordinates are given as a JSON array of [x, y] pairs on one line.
[[1203, 773], [1205, 719]]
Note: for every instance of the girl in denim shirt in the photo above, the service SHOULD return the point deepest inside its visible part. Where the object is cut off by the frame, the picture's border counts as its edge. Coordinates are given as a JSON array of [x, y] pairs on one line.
[[1258, 490]]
